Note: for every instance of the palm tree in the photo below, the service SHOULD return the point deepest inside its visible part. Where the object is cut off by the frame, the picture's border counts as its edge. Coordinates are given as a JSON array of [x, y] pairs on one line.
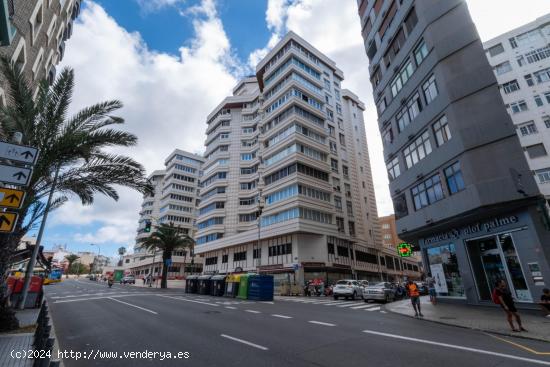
[[70, 259], [72, 157], [167, 238], [121, 252]]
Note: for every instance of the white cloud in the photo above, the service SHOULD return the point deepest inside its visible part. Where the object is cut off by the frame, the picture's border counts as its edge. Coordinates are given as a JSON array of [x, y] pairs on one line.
[[149, 6], [166, 97]]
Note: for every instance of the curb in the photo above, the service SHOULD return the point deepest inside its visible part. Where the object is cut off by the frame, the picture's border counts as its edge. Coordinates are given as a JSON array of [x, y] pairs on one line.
[[518, 336]]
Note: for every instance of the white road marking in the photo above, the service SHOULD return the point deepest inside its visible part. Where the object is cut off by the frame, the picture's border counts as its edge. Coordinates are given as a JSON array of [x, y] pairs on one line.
[[458, 347], [102, 297], [129, 304], [352, 304], [363, 306], [282, 316], [268, 302], [244, 342], [336, 303], [383, 311], [252, 311], [321, 323], [190, 300], [373, 309], [231, 307]]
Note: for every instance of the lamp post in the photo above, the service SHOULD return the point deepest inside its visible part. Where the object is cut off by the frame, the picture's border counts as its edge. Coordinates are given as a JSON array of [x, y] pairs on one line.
[[258, 250], [151, 271]]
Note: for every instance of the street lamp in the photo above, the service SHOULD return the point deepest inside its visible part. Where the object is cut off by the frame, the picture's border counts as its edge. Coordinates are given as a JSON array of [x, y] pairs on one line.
[[258, 250]]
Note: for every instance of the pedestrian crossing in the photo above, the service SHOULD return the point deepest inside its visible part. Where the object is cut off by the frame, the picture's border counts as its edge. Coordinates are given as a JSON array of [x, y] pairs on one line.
[[350, 305]]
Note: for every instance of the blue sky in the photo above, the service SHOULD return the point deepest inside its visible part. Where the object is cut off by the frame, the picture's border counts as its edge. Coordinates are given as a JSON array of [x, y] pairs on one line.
[[172, 61]]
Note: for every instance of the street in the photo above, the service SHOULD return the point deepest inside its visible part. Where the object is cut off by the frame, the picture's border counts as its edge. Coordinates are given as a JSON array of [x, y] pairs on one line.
[[102, 324]]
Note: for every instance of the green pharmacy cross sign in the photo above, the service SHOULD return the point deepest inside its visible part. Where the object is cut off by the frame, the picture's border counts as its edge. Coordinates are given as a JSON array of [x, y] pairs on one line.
[[404, 249]]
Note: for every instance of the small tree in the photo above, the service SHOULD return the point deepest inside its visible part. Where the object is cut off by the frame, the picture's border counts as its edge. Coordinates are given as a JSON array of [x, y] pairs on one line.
[[121, 252], [70, 259], [167, 238]]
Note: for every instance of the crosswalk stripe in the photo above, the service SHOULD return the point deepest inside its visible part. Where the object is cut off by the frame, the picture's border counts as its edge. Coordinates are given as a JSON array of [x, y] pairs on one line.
[[364, 306], [351, 304], [336, 303], [373, 309]]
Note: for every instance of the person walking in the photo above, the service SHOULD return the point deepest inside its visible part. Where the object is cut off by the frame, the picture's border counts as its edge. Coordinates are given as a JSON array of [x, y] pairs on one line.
[[431, 290], [545, 302], [503, 297], [414, 294]]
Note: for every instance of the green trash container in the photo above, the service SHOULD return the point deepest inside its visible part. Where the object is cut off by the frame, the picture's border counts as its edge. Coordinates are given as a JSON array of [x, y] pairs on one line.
[[243, 287]]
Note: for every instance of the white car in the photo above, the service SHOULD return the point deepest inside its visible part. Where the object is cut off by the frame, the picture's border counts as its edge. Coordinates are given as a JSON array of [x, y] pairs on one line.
[[348, 288]]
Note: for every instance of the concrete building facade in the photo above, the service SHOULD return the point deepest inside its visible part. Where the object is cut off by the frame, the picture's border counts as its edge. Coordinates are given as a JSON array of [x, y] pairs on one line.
[[33, 34], [460, 184], [521, 62], [287, 186], [174, 201]]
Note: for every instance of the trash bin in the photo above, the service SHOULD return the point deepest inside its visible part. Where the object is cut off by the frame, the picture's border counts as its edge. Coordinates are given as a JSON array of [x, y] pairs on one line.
[[34, 294], [243, 286], [191, 284], [260, 287], [218, 285], [232, 285], [205, 284]]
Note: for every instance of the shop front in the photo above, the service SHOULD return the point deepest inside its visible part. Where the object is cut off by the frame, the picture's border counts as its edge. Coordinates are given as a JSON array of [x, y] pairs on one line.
[[466, 261]]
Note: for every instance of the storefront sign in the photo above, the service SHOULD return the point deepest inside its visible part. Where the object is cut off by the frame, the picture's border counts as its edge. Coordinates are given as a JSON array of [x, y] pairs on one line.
[[480, 227], [439, 277], [270, 267]]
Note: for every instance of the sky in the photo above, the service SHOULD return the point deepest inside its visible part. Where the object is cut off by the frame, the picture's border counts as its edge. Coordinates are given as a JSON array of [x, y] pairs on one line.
[[172, 61]]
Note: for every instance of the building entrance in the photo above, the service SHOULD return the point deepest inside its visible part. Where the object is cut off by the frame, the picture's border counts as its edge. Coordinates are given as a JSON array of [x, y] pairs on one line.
[[494, 258]]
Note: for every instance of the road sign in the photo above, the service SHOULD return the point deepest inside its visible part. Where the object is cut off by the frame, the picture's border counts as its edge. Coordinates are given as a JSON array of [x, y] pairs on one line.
[[404, 249], [7, 222], [10, 198], [15, 175], [19, 153]]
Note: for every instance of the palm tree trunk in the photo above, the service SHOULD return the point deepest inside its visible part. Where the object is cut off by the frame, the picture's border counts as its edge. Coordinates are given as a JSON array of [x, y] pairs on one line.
[[166, 255]]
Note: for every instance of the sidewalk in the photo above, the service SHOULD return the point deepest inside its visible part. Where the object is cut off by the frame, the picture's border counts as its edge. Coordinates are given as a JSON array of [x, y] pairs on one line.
[[18, 341], [172, 284], [490, 319]]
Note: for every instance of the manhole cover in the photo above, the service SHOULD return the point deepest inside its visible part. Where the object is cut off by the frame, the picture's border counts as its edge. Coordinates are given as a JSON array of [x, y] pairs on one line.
[[447, 318]]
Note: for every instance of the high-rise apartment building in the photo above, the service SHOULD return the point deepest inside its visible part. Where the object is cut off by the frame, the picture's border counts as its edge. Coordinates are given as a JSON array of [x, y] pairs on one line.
[[521, 62], [174, 201], [461, 187], [287, 187], [33, 35]]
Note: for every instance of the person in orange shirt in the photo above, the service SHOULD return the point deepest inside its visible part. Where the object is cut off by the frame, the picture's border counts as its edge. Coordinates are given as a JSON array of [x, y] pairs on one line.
[[414, 294]]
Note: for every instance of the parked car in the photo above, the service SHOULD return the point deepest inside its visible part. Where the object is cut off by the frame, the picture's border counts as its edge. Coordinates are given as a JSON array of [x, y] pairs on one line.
[[422, 288], [130, 279], [348, 288], [383, 291]]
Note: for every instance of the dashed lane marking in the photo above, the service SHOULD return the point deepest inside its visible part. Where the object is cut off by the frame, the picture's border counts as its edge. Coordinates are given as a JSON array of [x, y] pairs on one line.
[[244, 342], [190, 300], [352, 304], [321, 323], [363, 306], [231, 307], [282, 316], [252, 311], [136, 306], [373, 309]]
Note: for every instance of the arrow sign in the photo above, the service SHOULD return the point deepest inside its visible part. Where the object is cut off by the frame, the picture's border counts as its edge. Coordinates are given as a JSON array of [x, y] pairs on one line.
[[404, 249], [15, 175], [7, 222], [19, 153], [10, 198]]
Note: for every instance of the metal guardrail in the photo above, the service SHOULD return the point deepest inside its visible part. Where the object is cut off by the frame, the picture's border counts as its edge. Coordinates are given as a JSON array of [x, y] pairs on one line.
[[43, 341]]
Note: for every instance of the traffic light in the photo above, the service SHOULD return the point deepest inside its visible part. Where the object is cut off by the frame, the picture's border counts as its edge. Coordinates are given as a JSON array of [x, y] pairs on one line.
[[147, 228]]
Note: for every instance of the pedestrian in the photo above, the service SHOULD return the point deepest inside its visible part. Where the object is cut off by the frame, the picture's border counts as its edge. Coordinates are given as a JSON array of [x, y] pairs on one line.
[[503, 297], [143, 278], [545, 302], [414, 294], [431, 290]]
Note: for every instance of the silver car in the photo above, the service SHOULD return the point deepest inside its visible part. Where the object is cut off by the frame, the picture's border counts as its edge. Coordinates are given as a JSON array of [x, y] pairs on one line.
[[348, 288], [383, 291]]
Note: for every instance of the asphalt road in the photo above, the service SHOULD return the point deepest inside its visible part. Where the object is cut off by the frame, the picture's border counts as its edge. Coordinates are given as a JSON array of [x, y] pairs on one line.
[[105, 325]]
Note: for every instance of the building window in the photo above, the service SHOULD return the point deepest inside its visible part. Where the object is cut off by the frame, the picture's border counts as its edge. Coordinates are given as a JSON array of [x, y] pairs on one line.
[[239, 256], [513, 42], [496, 50], [351, 226], [520, 60], [543, 175], [225, 259], [420, 52], [334, 165], [538, 101], [442, 132], [529, 80], [518, 106], [427, 192], [444, 257], [503, 68], [279, 250], [410, 21], [546, 120], [535, 151], [510, 87], [528, 128], [36, 20], [547, 96], [430, 89], [538, 54], [455, 181], [342, 139], [400, 206], [408, 113], [333, 147], [345, 171], [388, 135], [393, 169], [340, 224], [257, 253], [402, 77], [338, 203], [418, 150], [542, 75]]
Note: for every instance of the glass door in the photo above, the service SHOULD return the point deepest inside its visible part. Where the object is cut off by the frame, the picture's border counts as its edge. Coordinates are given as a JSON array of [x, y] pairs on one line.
[[517, 283]]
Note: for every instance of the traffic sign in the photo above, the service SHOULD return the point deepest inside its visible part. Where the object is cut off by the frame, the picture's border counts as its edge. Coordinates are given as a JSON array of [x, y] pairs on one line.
[[15, 175], [10, 198], [7, 222], [404, 249], [19, 153]]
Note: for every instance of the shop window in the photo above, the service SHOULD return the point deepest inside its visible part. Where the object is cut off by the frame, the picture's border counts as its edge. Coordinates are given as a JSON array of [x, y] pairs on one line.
[[443, 266]]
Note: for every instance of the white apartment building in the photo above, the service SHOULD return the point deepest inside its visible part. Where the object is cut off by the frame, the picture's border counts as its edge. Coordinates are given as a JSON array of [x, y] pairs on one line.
[[287, 184], [174, 201], [521, 62]]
